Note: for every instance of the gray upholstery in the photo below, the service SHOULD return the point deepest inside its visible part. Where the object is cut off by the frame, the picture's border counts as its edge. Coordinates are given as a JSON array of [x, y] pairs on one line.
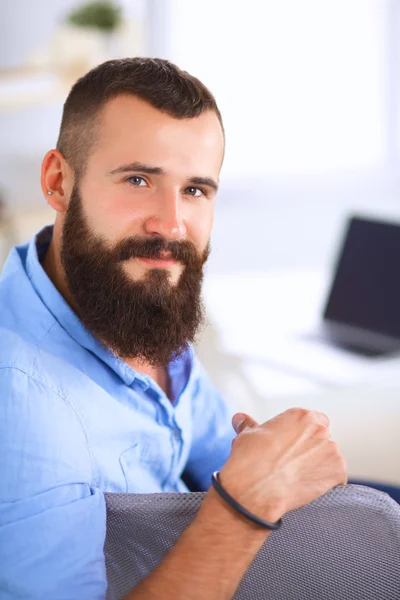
[[345, 546]]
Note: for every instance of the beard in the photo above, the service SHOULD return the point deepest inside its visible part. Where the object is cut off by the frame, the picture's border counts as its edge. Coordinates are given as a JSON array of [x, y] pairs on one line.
[[149, 319]]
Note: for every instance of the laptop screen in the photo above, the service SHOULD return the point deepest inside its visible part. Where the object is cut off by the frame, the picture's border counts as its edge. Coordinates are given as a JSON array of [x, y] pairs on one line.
[[366, 288]]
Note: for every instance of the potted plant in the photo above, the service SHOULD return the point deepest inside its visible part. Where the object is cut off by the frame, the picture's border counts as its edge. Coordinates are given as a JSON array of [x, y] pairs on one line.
[[103, 16], [87, 37]]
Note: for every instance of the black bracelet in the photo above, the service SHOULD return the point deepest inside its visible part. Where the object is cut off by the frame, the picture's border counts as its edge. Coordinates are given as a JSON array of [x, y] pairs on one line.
[[232, 502]]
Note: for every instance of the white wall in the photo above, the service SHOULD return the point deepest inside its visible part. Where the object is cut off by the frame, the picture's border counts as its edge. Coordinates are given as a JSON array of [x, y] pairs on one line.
[[309, 95], [301, 85]]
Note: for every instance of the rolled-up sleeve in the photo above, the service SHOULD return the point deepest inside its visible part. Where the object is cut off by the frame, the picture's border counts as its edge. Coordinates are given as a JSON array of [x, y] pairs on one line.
[[212, 432], [52, 519]]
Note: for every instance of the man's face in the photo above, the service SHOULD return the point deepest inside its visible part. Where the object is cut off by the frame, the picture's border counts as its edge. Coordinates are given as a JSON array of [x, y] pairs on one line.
[[136, 233], [151, 175]]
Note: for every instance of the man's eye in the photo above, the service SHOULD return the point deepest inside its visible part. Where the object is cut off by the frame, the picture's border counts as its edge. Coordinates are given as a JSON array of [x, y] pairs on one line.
[[194, 191], [136, 180]]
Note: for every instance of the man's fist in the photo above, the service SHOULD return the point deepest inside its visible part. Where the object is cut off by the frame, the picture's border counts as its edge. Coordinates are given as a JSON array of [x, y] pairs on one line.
[[282, 464]]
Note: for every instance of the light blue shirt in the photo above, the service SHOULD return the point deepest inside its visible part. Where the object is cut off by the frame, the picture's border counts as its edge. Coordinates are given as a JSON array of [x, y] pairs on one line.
[[76, 421]]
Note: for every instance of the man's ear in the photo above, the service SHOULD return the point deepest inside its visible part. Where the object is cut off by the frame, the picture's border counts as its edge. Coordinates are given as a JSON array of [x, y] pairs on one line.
[[57, 180]]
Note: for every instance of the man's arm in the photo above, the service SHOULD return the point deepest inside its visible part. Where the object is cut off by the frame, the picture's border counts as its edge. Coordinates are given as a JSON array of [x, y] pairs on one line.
[[209, 559], [52, 522], [274, 468]]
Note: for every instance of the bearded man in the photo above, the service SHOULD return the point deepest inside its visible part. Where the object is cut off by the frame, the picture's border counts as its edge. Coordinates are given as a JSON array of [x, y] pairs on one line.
[[101, 390]]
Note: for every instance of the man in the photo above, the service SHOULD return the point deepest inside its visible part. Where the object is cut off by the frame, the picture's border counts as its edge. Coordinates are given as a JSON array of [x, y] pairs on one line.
[[100, 387]]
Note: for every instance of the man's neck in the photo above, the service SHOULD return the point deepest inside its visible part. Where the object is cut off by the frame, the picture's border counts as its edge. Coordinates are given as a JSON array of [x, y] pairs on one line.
[[158, 374]]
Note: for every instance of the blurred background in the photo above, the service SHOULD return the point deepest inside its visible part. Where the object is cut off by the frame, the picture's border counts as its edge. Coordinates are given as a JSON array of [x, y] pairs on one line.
[[309, 92]]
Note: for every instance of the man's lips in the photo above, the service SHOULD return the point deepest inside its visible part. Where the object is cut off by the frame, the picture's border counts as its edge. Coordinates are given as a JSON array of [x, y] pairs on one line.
[[165, 260]]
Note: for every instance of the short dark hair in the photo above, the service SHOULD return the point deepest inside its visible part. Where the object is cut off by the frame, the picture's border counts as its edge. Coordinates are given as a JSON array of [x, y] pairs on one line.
[[154, 80]]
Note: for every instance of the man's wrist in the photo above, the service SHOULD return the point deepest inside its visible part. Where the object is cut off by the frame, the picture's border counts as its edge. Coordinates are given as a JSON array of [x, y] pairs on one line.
[[270, 509], [216, 513], [255, 518]]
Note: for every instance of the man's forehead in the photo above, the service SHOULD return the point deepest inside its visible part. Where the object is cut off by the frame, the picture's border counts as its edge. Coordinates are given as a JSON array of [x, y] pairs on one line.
[[127, 121]]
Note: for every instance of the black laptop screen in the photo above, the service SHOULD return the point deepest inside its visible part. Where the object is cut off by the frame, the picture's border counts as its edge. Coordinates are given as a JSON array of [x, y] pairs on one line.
[[366, 289]]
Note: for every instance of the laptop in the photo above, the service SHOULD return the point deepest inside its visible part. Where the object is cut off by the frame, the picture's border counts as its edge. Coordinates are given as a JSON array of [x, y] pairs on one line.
[[351, 337], [357, 340], [362, 311]]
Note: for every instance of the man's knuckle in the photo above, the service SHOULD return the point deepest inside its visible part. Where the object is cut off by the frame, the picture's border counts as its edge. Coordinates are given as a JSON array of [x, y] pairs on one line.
[[333, 447], [301, 413], [342, 464], [243, 432], [337, 456], [320, 431]]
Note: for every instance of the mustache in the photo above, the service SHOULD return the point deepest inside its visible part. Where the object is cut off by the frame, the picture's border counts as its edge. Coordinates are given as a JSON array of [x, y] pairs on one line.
[[181, 251]]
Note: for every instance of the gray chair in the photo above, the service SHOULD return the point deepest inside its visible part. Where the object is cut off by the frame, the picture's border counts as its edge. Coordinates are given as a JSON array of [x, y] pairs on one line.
[[344, 546]]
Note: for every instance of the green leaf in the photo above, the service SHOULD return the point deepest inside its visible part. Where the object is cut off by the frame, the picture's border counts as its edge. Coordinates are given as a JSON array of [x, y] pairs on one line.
[[105, 16]]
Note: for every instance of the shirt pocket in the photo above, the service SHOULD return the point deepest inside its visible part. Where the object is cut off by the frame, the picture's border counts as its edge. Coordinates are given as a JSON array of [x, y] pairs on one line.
[[143, 466]]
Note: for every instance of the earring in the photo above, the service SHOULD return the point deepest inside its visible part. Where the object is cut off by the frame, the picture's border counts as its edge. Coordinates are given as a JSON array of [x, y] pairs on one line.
[[50, 192]]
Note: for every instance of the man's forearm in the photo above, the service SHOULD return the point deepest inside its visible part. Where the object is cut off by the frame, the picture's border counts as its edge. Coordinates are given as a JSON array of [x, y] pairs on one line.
[[209, 559]]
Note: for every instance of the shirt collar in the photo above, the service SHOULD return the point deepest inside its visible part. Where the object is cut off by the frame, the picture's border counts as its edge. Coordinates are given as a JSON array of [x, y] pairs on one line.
[[70, 322]]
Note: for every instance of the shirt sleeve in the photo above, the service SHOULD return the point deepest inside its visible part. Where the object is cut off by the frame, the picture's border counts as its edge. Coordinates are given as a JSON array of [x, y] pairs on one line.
[[52, 522], [212, 433]]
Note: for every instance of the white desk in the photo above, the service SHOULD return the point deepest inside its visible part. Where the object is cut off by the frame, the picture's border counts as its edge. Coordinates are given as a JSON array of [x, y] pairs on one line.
[[252, 316]]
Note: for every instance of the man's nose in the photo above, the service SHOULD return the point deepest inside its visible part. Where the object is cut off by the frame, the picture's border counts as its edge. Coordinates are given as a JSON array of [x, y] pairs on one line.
[[167, 219]]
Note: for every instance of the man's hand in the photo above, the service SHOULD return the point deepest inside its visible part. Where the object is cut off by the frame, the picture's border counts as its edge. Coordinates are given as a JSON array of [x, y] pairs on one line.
[[282, 464], [273, 468]]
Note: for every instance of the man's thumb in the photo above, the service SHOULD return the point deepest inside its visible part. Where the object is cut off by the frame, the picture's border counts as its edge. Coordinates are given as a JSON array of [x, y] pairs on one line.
[[241, 420]]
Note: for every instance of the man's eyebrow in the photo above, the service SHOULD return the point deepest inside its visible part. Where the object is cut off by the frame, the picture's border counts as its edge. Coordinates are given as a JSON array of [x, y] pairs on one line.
[[148, 169], [137, 166], [208, 181]]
